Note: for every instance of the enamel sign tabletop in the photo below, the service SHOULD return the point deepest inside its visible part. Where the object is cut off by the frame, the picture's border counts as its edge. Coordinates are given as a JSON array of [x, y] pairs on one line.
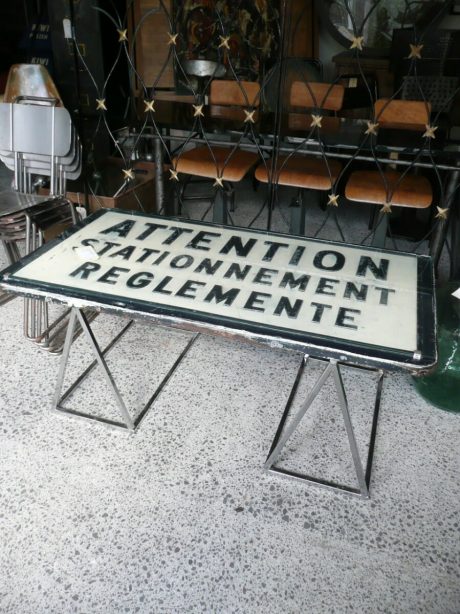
[[305, 290]]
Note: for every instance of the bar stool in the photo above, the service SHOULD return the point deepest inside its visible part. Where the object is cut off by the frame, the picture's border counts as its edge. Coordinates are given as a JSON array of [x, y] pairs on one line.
[[30, 80], [390, 187], [50, 149], [307, 173], [226, 165]]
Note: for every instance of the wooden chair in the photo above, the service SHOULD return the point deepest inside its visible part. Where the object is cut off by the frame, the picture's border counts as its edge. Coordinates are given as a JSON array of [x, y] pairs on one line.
[[224, 162], [315, 174], [391, 187], [313, 95]]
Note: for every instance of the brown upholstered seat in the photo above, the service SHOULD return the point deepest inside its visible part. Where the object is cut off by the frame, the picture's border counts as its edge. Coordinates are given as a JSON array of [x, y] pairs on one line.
[[398, 189], [409, 191], [402, 114], [223, 161], [317, 95], [219, 162], [234, 93], [301, 172]]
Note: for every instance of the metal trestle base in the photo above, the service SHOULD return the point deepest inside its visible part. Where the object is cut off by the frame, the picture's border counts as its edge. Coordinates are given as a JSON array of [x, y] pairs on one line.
[[5, 297], [128, 422], [283, 434]]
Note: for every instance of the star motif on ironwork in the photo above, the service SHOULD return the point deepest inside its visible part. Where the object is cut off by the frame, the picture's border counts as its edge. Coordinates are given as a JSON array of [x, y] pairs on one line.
[[122, 35], [172, 38], [441, 214], [333, 200], [357, 42], [372, 128], [128, 173], [198, 110], [430, 131], [249, 116], [174, 175], [415, 52], [224, 42], [219, 182], [316, 121], [149, 106], [386, 207], [101, 104]]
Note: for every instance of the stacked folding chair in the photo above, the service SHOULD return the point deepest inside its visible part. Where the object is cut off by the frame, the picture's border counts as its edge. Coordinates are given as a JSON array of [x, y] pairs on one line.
[[37, 138]]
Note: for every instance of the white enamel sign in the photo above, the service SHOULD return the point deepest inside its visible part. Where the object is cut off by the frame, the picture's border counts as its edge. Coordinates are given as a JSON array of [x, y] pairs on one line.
[[333, 290]]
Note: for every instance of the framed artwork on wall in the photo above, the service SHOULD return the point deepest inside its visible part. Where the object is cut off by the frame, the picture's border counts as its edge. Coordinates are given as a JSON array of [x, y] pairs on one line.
[[251, 33]]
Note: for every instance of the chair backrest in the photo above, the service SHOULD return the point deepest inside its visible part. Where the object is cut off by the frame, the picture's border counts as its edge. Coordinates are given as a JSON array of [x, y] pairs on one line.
[[316, 95], [402, 114], [234, 93], [35, 129], [30, 80]]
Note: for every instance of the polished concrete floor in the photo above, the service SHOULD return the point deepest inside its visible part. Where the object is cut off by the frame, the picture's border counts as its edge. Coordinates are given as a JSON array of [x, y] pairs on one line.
[[180, 517]]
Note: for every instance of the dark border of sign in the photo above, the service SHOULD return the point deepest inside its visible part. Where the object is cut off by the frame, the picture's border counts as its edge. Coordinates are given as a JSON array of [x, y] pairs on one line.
[[426, 313]]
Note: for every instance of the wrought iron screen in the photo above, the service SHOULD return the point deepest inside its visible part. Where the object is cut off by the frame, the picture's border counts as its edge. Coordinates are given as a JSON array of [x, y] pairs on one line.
[[286, 147]]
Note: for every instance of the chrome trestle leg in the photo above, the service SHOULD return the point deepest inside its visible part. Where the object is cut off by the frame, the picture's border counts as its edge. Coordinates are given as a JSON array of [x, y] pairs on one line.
[[284, 432], [37, 327], [78, 316], [5, 297], [12, 253]]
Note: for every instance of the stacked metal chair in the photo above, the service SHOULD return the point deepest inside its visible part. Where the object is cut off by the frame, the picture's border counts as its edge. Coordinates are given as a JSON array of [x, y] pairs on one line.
[[37, 139]]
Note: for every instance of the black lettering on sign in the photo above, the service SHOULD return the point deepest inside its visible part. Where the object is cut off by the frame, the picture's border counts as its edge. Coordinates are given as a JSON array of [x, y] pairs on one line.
[[218, 295], [160, 258], [379, 271], [293, 282], [264, 276], [150, 227], [84, 270], [237, 271], [139, 280], [124, 253], [160, 288], [352, 291], [202, 240], [255, 299], [384, 292], [326, 286], [188, 290], [297, 255], [89, 241], [181, 262], [121, 229], [338, 260], [176, 233], [208, 266], [319, 310], [345, 319], [147, 252], [107, 245], [271, 251], [112, 275], [284, 304], [236, 243]]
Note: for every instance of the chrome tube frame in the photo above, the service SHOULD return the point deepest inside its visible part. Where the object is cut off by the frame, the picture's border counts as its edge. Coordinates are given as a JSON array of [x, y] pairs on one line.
[[284, 432], [129, 423]]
